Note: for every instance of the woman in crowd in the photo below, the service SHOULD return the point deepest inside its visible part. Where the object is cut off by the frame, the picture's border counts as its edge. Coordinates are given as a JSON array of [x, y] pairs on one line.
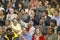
[[11, 15], [38, 35], [2, 18], [16, 27]]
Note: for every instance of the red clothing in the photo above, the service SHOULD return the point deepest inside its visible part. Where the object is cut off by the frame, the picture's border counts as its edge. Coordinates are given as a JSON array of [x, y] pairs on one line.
[[40, 38], [28, 29]]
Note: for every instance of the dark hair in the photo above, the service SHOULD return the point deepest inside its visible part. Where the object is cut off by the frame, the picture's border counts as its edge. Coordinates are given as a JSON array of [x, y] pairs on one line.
[[52, 30], [21, 4], [54, 21], [7, 21], [46, 12], [9, 29]]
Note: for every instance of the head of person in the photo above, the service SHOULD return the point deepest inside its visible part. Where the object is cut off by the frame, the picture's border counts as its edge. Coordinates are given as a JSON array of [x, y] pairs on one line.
[[30, 24], [20, 5], [45, 13], [53, 23], [23, 11], [40, 3], [1, 30], [49, 6], [50, 31], [11, 10], [37, 31], [7, 23], [9, 31], [9, 4], [56, 13], [57, 7], [42, 20], [32, 14], [24, 30], [3, 1], [15, 21], [1, 12]]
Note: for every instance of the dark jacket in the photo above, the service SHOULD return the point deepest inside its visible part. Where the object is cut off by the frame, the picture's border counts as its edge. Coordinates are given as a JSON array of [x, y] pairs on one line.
[[47, 21]]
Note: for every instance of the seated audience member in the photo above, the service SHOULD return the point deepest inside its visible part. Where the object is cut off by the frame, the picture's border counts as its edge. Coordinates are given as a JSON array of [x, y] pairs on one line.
[[50, 10], [38, 35], [25, 35], [50, 34], [30, 28], [10, 35], [2, 18], [25, 17], [58, 35], [53, 24], [11, 15], [42, 26], [46, 17], [1, 34], [16, 27], [7, 25], [57, 17]]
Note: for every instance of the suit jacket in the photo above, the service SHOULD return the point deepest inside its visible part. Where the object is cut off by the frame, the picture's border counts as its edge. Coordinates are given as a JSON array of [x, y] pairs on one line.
[[47, 21]]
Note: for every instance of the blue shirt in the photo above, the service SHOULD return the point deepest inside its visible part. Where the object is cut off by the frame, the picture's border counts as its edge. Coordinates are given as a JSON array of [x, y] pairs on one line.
[[57, 19], [28, 36]]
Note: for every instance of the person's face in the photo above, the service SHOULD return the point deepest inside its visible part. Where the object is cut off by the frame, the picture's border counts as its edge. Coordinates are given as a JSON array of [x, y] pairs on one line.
[[44, 14], [52, 24], [40, 3], [20, 5], [47, 30], [42, 20], [7, 23], [11, 11], [49, 6], [15, 22], [1, 31], [57, 6], [9, 32], [22, 11], [37, 31], [29, 24], [1, 12], [9, 4], [24, 31], [56, 13], [3, 1]]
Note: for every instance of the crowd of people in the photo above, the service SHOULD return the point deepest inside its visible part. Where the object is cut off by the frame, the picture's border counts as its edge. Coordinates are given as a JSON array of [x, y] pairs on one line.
[[29, 19]]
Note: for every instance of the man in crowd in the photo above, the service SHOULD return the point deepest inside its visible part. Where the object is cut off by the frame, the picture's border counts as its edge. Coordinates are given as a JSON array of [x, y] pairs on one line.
[[25, 35], [10, 35]]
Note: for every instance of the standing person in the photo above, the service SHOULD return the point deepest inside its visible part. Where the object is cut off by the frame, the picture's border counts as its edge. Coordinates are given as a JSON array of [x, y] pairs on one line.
[[38, 35], [25, 35]]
